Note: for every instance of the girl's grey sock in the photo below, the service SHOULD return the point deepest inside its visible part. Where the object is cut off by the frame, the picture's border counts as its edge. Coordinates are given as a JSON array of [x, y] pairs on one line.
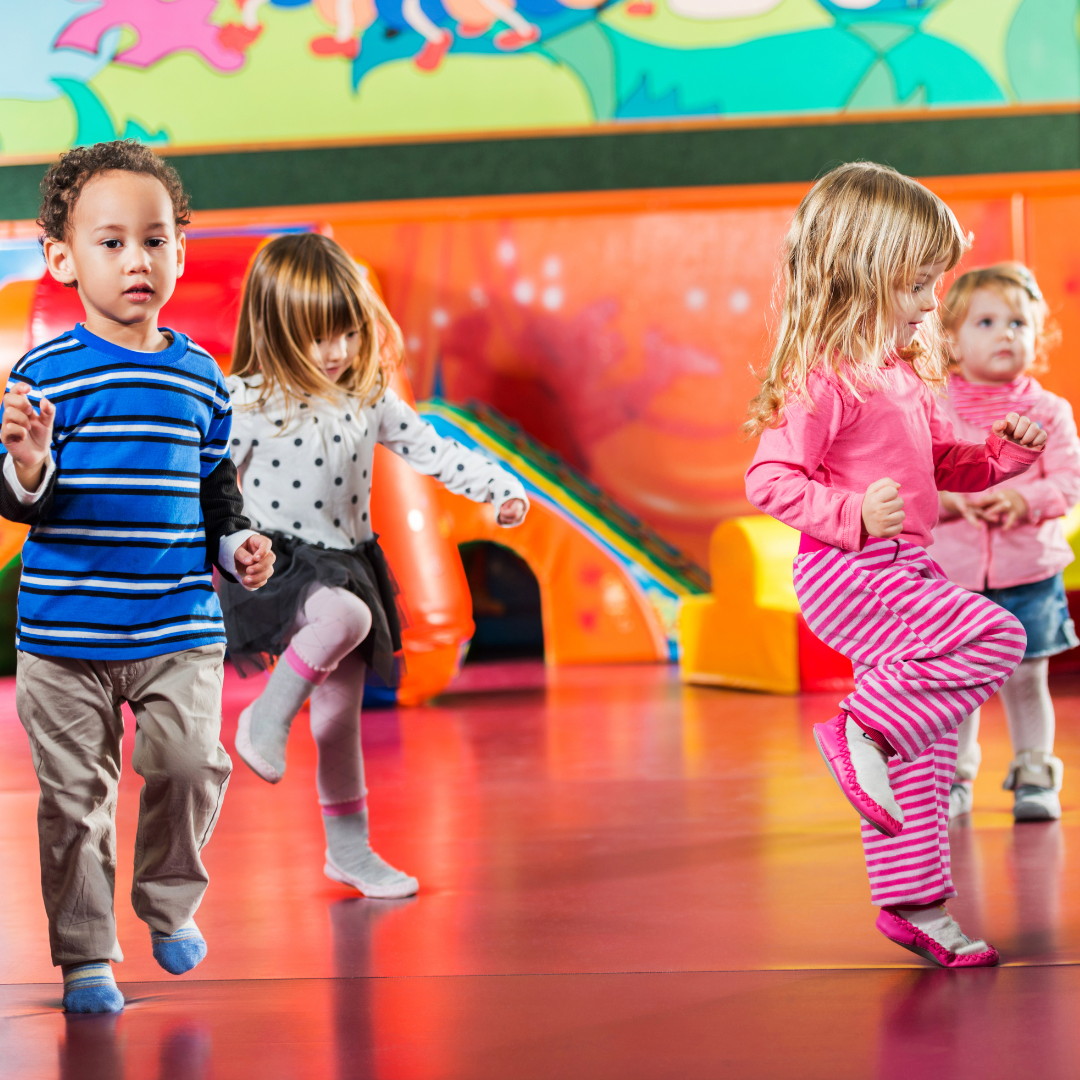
[[274, 710], [349, 852]]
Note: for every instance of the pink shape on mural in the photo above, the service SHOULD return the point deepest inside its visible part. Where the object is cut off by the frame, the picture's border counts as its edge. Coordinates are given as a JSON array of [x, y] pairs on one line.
[[164, 27]]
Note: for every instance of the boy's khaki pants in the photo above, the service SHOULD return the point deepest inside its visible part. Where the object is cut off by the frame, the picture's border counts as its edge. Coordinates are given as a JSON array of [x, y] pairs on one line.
[[71, 712]]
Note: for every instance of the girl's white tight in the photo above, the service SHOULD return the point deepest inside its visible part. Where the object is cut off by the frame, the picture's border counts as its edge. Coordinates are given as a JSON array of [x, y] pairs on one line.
[[1028, 711]]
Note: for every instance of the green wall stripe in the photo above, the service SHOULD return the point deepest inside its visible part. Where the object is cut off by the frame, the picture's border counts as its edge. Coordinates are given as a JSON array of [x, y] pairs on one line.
[[601, 162]]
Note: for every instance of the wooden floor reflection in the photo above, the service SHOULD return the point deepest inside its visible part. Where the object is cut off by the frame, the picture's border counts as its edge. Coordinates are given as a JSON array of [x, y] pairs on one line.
[[619, 876]]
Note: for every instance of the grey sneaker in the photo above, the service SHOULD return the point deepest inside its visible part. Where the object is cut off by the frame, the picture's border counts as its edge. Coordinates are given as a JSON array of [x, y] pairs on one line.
[[1035, 778], [961, 797], [1035, 804]]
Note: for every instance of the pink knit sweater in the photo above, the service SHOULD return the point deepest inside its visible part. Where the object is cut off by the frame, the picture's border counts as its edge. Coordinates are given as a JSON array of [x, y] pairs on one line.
[[813, 469], [986, 556]]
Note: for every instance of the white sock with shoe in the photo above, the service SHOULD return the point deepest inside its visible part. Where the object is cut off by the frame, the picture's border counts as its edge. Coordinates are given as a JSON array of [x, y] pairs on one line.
[[871, 767], [935, 922]]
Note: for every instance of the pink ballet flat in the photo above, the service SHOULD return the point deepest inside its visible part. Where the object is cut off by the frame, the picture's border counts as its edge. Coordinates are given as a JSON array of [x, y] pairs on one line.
[[908, 936], [248, 754], [832, 742]]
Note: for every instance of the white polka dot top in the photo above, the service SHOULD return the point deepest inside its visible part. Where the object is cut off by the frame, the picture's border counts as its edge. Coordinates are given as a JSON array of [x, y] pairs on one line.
[[310, 475]]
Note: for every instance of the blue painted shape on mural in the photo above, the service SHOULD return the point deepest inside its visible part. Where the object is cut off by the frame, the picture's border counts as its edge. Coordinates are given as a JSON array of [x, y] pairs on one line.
[[94, 123], [760, 76], [880, 8], [643, 105], [948, 75], [390, 13], [29, 65], [384, 43], [134, 130], [20, 260]]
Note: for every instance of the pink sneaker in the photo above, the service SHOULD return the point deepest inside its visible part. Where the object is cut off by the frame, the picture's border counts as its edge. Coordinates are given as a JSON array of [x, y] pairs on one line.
[[908, 936], [431, 55], [328, 45], [509, 40], [853, 777]]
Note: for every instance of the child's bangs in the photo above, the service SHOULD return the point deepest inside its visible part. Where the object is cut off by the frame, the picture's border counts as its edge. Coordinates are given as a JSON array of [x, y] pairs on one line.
[[935, 235], [330, 304]]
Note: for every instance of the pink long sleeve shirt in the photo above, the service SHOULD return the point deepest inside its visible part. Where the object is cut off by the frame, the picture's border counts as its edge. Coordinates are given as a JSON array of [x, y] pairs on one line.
[[813, 469], [986, 556]]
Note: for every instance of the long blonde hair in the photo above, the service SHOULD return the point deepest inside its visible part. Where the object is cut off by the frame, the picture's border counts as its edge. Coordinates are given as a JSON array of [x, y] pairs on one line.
[[299, 289], [861, 231], [1009, 280]]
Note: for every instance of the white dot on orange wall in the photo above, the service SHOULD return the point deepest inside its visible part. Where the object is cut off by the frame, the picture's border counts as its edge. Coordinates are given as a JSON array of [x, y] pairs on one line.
[[552, 298], [524, 291], [739, 301], [695, 299], [415, 520], [414, 343], [505, 252], [552, 266], [478, 296], [440, 318]]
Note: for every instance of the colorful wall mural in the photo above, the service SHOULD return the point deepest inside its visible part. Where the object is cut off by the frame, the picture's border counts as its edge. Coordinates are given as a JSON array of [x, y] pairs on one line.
[[235, 72]]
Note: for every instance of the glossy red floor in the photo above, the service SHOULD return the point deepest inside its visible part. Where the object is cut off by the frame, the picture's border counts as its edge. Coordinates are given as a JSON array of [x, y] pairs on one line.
[[621, 877]]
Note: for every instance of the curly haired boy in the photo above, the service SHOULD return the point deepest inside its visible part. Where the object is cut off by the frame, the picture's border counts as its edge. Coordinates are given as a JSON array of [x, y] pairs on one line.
[[115, 449]]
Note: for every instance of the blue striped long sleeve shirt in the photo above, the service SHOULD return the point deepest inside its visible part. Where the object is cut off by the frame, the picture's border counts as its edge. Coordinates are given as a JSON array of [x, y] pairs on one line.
[[119, 569]]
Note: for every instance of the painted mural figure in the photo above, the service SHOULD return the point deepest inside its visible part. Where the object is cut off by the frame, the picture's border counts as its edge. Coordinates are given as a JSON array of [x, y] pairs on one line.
[[854, 462], [314, 351], [627, 61], [350, 18]]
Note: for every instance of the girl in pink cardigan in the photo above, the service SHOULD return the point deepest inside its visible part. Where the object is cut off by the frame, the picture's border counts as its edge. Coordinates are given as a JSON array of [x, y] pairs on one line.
[[1007, 543], [854, 448]]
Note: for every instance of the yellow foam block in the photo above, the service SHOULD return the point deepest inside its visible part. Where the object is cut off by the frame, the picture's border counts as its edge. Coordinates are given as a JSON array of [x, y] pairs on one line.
[[1072, 534], [745, 634]]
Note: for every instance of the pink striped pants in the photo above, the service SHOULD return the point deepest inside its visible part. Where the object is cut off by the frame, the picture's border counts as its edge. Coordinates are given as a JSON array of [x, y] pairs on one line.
[[926, 653]]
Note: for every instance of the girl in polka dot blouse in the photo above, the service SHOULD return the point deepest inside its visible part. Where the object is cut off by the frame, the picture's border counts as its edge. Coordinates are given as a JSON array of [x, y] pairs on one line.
[[311, 398]]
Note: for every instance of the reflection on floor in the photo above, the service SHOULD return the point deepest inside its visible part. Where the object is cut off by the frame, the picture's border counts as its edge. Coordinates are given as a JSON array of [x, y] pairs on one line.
[[621, 877]]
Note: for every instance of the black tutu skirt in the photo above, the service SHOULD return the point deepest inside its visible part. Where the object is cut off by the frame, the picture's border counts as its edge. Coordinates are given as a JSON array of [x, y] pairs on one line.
[[258, 624]]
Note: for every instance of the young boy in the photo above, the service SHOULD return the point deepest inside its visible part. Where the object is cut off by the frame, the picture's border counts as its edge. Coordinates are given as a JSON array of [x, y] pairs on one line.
[[116, 437]]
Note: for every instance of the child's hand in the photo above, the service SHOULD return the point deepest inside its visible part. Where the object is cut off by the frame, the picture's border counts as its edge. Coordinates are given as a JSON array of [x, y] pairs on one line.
[[1020, 430], [954, 505], [1005, 507], [512, 512], [257, 559], [883, 509], [27, 434]]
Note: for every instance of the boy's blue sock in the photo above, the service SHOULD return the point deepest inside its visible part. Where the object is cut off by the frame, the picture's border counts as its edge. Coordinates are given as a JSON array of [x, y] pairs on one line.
[[91, 988], [181, 950]]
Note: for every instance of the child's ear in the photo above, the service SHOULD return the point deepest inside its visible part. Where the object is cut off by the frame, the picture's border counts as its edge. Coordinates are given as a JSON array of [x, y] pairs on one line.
[[181, 253], [58, 260]]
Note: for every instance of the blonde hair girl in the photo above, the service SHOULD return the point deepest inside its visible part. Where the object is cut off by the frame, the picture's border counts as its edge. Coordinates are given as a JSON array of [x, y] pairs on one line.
[[853, 449], [311, 394], [301, 290], [863, 232], [1016, 285], [1008, 543]]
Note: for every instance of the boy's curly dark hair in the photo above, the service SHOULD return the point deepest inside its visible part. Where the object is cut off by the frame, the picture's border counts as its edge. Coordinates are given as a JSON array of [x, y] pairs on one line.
[[63, 183]]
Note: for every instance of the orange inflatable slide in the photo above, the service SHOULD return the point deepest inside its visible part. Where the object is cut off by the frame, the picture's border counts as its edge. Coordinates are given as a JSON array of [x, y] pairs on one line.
[[610, 587]]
